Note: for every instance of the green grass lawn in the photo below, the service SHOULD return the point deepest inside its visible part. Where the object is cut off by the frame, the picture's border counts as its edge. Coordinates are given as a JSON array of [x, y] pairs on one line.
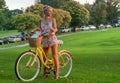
[[96, 58], [8, 33]]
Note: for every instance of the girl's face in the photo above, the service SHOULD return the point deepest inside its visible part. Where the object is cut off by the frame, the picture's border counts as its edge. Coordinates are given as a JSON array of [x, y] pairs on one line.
[[48, 11]]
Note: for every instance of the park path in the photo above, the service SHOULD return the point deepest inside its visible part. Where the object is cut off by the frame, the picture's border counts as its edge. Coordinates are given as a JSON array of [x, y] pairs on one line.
[[18, 46], [23, 45]]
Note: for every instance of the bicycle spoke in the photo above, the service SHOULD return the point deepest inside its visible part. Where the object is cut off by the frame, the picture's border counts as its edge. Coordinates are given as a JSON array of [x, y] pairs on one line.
[[65, 61], [27, 66]]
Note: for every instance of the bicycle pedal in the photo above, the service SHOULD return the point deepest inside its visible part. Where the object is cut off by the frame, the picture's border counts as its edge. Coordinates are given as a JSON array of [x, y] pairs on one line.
[[48, 72]]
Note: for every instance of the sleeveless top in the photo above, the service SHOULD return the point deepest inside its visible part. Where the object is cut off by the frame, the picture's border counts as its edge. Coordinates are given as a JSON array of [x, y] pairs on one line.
[[48, 40], [46, 27]]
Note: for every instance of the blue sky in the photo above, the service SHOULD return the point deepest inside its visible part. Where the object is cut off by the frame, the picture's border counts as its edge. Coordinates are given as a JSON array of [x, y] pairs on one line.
[[18, 4]]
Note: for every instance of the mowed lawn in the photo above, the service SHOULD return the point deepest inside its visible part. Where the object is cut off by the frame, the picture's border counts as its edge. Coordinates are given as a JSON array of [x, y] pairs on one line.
[[96, 58], [8, 33]]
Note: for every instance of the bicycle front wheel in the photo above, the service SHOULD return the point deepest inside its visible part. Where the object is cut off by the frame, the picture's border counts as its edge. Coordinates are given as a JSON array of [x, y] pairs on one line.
[[27, 66], [65, 64]]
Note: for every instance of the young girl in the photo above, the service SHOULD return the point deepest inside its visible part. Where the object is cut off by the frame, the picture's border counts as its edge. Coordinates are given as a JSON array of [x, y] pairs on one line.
[[49, 40]]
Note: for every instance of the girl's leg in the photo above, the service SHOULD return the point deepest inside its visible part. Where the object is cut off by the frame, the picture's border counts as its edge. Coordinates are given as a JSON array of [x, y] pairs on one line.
[[46, 50], [55, 57]]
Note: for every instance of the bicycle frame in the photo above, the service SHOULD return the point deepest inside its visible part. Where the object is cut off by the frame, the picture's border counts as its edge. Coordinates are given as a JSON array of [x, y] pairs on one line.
[[33, 59], [40, 53]]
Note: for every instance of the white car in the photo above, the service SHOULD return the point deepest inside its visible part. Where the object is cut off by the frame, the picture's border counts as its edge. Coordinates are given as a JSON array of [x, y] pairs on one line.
[[101, 26], [92, 27], [84, 28], [108, 26], [64, 29], [14, 39]]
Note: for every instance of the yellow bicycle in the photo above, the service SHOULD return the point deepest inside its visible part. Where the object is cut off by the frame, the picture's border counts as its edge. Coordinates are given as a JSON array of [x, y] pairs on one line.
[[29, 63]]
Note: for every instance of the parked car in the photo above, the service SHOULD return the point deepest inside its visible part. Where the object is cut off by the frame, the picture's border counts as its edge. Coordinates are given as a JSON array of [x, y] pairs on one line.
[[108, 26], [64, 29], [84, 28], [1, 41], [101, 26], [14, 39], [77, 29], [92, 27], [115, 25], [4, 40]]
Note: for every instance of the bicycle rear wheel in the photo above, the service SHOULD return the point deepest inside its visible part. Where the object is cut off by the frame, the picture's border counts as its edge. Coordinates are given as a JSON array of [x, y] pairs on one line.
[[65, 61], [27, 66]]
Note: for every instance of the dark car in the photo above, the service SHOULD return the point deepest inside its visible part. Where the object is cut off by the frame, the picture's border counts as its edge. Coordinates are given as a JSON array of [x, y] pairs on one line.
[[1, 41], [4, 40]]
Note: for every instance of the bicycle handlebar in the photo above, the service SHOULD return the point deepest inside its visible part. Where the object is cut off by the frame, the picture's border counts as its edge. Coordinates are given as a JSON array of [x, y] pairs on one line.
[[38, 34]]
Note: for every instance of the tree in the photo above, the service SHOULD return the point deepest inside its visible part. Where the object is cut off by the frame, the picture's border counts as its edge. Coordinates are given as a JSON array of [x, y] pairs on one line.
[[66, 17], [2, 20], [55, 3], [98, 13], [8, 15], [105, 11], [31, 18], [79, 14], [89, 8], [15, 12], [2, 4], [63, 18], [36, 9], [26, 21], [113, 7], [97, 1]]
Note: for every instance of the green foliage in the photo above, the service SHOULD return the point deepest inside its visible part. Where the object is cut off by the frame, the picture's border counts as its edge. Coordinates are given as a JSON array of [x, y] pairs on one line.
[[2, 4], [104, 11], [80, 15], [63, 18], [55, 3], [66, 18], [99, 13], [36, 9], [15, 12], [8, 15], [2, 20], [26, 21], [96, 59], [113, 10]]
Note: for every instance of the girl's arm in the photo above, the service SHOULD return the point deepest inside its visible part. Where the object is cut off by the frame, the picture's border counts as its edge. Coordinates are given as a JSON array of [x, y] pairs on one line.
[[54, 26]]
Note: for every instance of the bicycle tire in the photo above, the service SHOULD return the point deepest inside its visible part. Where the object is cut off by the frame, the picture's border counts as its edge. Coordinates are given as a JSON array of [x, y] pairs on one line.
[[24, 69], [65, 64]]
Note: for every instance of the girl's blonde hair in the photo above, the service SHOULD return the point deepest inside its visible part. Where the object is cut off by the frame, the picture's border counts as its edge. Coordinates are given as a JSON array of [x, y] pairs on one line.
[[46, 7]]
